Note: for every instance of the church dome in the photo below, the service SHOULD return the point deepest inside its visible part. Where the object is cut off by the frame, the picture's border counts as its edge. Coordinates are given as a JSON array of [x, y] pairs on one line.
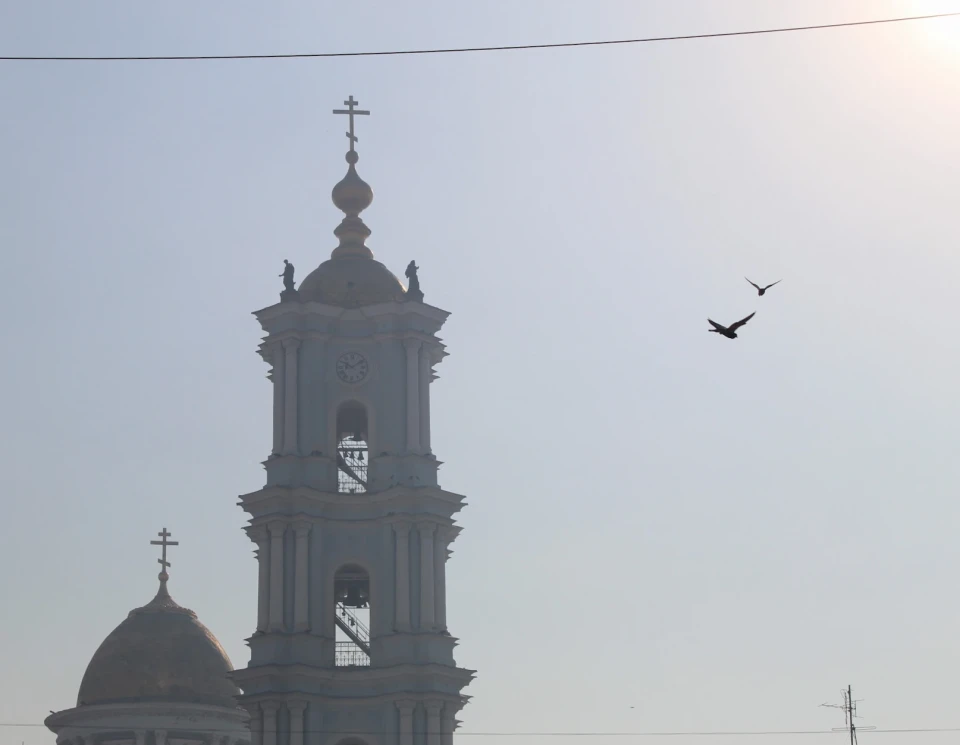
[[351, 281], [161, 653], [351, 277]]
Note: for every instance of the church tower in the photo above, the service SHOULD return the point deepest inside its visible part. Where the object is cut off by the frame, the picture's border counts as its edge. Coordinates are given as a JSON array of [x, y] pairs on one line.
[[352, 530]]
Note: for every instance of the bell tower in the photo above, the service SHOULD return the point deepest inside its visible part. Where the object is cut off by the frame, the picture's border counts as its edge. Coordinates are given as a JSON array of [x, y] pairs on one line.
[[352, 531]]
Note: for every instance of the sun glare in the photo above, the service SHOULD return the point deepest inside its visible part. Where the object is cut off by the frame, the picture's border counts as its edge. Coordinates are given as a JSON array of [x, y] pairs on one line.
[[943, 32]]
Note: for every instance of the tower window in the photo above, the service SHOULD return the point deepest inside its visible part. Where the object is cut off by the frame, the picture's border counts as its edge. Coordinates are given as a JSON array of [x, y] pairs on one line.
[[353, 454], [351, 594]]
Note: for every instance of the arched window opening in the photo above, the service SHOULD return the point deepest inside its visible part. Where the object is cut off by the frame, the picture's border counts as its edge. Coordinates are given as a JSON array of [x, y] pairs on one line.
[[353, 455], [351, 593]]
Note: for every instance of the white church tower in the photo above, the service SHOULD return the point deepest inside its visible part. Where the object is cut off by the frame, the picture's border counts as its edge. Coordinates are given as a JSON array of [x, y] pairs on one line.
[[352, 530]]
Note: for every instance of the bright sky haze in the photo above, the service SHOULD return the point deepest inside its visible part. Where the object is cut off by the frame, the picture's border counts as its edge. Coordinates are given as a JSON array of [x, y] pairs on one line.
[[666, 530]]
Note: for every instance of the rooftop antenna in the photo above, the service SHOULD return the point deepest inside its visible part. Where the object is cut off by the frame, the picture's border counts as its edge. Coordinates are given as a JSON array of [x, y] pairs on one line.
[[849, 707]]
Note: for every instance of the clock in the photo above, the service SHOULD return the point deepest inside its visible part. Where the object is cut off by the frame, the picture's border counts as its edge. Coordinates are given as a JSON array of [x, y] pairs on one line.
[[352, 367]]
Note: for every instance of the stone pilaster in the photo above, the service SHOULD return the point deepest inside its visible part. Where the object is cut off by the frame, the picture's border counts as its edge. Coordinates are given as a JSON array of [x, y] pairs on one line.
[[402, 580], [441, 541], [406, 721], [261, 537], [413, 394], [448, 723], [301, 574], [433, 722], [427, 579], [425, 373], [278, 378], [290, 427], [256, 724], [270, 709], [277, 530], [296, 709]]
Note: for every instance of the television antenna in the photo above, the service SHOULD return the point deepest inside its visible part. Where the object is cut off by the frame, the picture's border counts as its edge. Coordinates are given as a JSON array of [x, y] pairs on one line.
[[849, 707]]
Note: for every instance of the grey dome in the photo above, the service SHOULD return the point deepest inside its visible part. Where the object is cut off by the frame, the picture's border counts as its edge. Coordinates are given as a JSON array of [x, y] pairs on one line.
[[350, 282], [161, 652]]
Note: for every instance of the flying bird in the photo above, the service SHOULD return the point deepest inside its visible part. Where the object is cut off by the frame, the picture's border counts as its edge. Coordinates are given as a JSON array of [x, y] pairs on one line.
[[729, 331], [761, 290]]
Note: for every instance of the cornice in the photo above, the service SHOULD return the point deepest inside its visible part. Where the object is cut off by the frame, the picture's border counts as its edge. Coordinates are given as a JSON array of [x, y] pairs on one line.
[[366, 312], [99, 712], [411, 502], [402, 674]]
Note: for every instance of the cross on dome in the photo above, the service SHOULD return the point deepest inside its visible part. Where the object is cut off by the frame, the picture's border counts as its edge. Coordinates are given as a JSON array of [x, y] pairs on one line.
[[351, 111], [162, 561]]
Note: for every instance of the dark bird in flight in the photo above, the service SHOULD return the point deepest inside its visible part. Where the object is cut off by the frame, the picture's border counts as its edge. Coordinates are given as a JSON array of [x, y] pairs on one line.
[[729, 331], [761, 290]]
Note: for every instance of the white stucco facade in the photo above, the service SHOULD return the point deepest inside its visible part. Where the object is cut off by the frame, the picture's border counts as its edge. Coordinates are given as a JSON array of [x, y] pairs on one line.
[[351, 341], [150, 724]]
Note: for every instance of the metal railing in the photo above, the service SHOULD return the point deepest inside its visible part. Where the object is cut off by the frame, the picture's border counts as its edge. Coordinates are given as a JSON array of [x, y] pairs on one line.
[[352, 626], [352, 460], [349, 654]]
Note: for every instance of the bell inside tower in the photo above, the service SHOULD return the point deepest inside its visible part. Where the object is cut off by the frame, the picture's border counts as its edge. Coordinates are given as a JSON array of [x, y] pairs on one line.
[[351, 594], [353, 455]]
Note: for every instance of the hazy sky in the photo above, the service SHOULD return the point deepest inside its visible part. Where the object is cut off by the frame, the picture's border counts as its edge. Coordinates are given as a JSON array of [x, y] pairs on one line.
[[721, 534]]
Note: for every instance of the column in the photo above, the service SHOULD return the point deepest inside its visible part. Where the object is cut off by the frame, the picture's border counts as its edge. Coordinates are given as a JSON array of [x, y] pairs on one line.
[[277, 528], [140, 737], [402, 583], [448, 723], [413, 394], [215, 739], [278, 378], [440, 567], [426, 576], [269, 722], [406, 721], [259, 535], [301, 591], [256, 724], [433, 722], [159, 737], [425, 375], [296, 709], [290, 347]]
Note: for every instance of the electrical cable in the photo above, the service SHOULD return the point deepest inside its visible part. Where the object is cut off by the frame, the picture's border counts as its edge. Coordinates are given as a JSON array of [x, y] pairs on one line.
[[458, 50], [743, 733]]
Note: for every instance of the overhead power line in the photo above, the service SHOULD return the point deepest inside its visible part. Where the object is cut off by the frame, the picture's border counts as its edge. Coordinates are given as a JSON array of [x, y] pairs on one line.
[[457, 50], [701, 733]]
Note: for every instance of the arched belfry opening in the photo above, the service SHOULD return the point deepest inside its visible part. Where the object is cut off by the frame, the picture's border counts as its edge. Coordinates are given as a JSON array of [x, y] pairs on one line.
[[353, 454], [351, 594], [348, 544]]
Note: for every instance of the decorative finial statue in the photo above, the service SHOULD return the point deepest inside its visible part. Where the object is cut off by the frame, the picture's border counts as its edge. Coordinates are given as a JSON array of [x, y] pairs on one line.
[[287, 276], [413, 286]]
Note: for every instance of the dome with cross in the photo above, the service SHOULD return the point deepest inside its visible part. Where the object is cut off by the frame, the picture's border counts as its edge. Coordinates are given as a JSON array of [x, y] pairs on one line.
[[161, 652], [351, 277], [157, 667]]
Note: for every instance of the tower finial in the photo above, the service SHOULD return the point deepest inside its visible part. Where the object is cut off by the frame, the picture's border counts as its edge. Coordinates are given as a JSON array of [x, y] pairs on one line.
[[162, 602], [162, 561], [352, 196], [351, 112]]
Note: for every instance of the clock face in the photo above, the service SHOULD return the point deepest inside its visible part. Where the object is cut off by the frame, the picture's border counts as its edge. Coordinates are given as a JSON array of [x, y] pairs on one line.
[[352, 367]]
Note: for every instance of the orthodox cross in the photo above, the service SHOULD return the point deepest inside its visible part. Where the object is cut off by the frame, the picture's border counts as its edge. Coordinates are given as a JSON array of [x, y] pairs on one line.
[[164, 543], [351, 111]]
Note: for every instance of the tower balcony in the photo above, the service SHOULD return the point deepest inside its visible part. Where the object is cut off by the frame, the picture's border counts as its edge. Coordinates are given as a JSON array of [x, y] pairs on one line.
[[348, 654]]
